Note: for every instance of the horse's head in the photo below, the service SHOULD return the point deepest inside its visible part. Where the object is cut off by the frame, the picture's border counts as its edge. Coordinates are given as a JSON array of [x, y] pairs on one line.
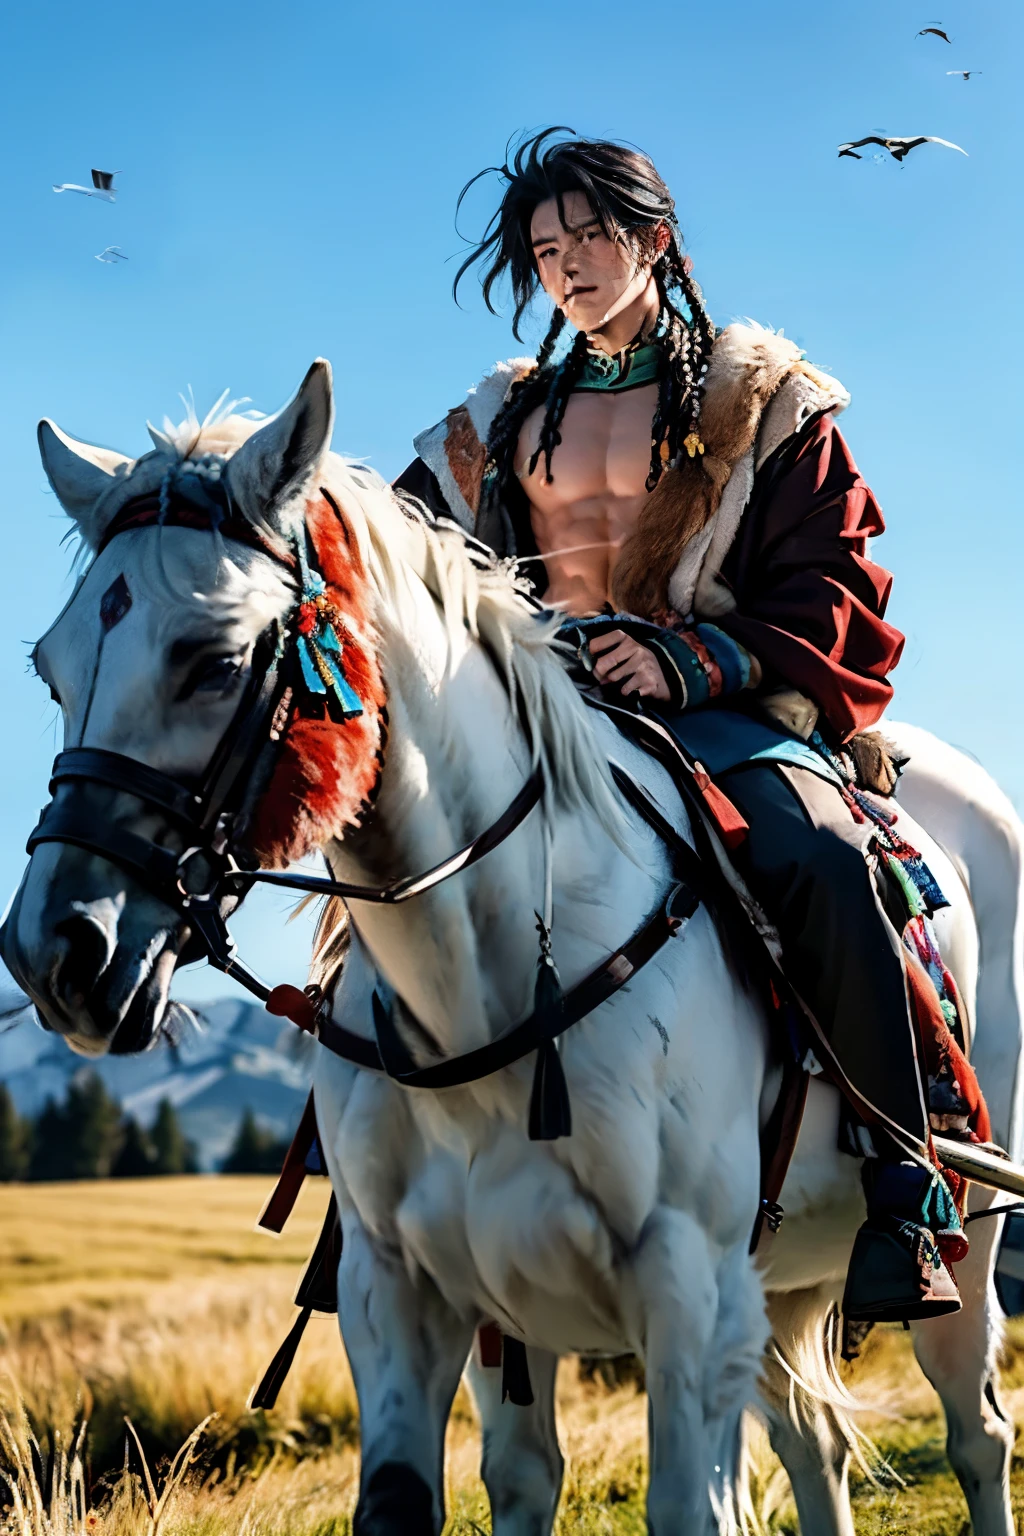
[[177, 653]]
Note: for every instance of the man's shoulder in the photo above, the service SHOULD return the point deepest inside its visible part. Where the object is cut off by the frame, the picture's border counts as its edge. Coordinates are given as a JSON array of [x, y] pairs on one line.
[[760, 390], [455, 448], [484, 399]]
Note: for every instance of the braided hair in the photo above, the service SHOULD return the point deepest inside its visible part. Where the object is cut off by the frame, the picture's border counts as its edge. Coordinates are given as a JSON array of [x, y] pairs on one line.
[[630, 201]]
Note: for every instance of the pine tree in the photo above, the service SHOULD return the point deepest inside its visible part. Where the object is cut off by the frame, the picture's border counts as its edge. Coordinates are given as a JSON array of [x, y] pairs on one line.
[[14, 1140], [49, 1145], [173, 1152], [136, 1159], [81, 1140], [255, 1149]]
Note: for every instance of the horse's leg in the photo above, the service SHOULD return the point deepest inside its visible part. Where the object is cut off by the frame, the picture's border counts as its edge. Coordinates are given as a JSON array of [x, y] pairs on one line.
[[808, 1435], [677, 1298], [958, 1355], [522, 1464], [407, 1348]]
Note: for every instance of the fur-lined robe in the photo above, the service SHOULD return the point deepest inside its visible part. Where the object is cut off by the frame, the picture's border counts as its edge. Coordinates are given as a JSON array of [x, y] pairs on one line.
[[765, 534]]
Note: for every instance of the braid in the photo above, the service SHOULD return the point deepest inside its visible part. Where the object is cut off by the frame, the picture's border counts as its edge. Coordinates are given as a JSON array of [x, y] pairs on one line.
[[685, 359], [524, 396], [562, 386]]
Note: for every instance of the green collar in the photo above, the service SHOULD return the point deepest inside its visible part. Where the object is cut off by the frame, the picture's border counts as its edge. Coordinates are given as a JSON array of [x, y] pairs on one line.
[[637, 364]]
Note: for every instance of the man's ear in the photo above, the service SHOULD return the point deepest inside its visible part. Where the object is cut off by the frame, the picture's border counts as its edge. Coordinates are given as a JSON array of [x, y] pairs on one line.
[[81, 475], [270, 473]]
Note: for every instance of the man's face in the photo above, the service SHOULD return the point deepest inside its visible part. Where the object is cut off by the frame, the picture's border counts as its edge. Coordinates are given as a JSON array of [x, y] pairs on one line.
[[589, 277]]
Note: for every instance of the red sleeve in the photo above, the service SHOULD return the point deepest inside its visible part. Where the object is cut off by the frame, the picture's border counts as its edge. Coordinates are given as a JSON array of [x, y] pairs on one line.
[[810, 604]]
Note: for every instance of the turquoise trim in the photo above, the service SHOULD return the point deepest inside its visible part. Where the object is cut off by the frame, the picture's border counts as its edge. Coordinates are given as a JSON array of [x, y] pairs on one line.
[[724, 738], [635, 366]]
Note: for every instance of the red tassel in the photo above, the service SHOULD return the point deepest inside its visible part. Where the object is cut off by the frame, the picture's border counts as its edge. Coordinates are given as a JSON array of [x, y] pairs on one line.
[[290, 1180], [489, 1339], [287, 1002], [731, 826]]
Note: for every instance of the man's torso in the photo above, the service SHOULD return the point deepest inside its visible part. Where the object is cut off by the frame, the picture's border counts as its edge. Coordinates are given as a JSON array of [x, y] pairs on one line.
[[599, 470]]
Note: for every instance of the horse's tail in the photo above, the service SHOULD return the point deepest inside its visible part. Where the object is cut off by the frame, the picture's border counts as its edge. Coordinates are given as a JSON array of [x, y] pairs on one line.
[[810, 1411]]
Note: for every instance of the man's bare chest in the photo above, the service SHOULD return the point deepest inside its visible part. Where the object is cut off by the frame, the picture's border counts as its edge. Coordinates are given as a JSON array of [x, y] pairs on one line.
[[604, 453], [597, 489]]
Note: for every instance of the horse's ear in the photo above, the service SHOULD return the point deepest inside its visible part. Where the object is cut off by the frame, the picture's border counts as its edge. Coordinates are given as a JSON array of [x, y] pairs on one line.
[[80, 475], [273, 468]]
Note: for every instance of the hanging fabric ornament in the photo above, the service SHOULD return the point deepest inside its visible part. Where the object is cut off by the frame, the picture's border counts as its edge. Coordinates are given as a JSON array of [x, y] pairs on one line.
[[320, 631], [550, 1113]]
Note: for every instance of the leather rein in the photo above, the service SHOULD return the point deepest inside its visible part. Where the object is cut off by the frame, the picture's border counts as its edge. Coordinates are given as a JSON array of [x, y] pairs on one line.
[[209, 876]]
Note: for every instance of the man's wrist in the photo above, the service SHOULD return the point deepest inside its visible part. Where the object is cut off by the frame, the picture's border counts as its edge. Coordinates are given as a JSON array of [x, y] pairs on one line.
[[703, 663]]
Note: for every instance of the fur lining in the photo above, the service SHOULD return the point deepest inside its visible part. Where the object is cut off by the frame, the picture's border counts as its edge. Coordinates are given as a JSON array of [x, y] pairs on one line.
[[676, 516], [326, 770], [805, 392], [747, 366], [466, 455], [430, 445], [455, 449], [486, 399]]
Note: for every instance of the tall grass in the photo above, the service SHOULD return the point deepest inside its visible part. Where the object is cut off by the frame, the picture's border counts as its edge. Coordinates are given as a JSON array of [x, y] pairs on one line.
[[125, 1366]]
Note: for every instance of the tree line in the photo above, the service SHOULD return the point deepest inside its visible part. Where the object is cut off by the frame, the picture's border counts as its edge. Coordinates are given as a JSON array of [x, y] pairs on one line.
[[89, 1136]]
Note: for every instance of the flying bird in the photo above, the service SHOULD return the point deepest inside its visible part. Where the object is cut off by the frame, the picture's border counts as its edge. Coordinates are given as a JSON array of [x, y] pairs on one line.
[[934, 32], [102, 186], [965, 73], [898, 148], [112, 254]]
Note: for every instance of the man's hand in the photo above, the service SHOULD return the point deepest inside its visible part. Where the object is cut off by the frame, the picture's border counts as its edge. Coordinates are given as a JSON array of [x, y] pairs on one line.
[[629, 665]]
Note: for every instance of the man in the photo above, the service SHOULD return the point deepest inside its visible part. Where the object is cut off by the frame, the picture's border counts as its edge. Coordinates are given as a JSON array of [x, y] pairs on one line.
[[697, 482]]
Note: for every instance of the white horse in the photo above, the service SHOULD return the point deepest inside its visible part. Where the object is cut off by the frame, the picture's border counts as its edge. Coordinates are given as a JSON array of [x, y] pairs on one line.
[[632, 1233]]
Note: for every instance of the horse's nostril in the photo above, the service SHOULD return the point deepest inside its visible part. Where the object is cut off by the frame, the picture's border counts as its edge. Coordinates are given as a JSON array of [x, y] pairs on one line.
[[86, 958]]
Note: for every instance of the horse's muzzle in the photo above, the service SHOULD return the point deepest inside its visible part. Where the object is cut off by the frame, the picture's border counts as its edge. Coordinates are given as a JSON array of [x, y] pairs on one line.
[[96, 966]]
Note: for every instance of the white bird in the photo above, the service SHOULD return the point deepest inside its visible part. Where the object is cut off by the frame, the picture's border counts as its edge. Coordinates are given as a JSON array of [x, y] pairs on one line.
[[112, 255], [102, 186], [898, 148], [965, 74]]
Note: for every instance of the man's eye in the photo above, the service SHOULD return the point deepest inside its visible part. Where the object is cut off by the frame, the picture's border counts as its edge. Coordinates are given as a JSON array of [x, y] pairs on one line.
[[214, 674]]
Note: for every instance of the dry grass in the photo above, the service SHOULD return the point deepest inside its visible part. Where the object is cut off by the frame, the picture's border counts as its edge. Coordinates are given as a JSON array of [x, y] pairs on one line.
[[157, 1301]]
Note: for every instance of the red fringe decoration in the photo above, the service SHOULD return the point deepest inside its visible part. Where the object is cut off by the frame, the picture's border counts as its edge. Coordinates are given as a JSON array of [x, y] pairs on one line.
[[326, 770]]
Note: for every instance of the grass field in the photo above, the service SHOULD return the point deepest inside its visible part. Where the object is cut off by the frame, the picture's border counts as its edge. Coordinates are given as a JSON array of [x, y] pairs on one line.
[[157, 1300]]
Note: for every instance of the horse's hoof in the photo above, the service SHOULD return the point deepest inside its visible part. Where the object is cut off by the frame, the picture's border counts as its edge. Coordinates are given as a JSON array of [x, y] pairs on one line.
[[395, 1501]]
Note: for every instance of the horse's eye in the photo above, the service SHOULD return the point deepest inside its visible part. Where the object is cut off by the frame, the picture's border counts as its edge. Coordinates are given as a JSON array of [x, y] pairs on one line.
[[55, 696], [214, 674]]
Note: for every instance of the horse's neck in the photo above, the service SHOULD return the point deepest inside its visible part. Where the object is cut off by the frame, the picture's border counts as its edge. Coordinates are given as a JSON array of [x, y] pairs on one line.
[[461, 957], [464, 956]]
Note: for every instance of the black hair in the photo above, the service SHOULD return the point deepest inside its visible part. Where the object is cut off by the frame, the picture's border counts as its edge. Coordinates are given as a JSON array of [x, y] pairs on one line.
[[630, 201]]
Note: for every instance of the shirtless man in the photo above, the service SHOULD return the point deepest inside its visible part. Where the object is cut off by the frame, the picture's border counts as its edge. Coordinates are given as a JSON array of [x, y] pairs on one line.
[[656, 470]]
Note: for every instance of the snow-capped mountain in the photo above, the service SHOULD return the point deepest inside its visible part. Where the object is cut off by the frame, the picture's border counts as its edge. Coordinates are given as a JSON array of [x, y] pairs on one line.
[[239, 1057]]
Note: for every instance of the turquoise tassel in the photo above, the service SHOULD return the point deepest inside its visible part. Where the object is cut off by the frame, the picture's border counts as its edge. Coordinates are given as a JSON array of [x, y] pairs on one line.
[[311, 677], [346, 695]]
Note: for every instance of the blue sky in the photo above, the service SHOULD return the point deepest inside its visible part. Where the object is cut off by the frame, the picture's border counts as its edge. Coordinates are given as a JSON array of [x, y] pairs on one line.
[[288, 186]]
